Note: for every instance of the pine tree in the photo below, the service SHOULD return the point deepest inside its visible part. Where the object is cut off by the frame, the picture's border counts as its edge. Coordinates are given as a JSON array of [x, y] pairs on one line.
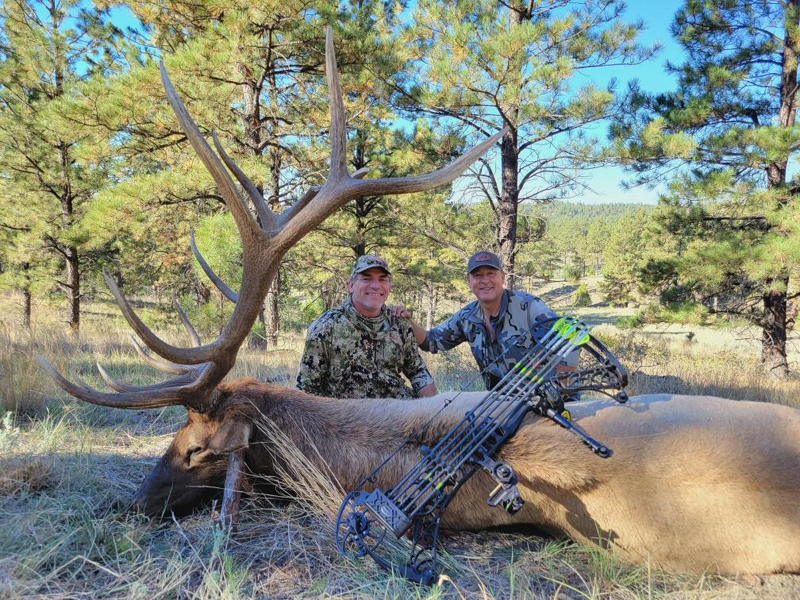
[[486, 65], [47, 49], [732, 123], [624, 257]]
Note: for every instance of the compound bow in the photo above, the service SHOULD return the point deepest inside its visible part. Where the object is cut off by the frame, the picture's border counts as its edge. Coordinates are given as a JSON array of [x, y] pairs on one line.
[[417, 502]]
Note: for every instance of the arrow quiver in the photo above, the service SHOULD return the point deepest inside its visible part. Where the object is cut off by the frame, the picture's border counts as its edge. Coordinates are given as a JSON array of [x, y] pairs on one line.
[[412, 510]]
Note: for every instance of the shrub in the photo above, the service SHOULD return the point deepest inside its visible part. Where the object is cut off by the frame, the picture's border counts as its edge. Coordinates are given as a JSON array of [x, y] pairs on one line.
[[581, 296], [616, 291], [572, 272], [630, 322]]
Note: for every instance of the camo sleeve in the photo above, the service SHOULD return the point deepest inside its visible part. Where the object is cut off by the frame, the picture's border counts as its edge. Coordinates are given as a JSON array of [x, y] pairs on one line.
[[413, 366], [314, 374], [447, 335]]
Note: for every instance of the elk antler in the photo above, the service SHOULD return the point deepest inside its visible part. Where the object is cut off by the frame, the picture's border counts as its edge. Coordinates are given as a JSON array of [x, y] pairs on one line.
[[262, 246]]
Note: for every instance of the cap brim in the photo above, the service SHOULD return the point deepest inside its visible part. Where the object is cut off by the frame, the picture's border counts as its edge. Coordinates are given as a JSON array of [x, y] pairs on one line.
[[496, 268], [387, 271]]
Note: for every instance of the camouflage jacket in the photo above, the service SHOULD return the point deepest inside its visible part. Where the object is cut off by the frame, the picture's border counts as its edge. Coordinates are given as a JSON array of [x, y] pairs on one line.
[[348, 355], [519, 313]]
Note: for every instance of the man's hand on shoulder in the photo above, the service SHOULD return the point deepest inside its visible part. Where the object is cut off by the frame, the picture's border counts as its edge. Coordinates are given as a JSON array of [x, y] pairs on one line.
[[397, 310], [402, 312]]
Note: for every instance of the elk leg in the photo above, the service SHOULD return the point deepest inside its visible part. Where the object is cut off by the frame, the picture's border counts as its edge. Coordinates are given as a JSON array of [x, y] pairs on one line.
[[229, 511]]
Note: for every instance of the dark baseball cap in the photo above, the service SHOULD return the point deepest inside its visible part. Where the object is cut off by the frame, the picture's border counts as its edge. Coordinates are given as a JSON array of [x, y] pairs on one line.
[[368, 261], [483, 258]]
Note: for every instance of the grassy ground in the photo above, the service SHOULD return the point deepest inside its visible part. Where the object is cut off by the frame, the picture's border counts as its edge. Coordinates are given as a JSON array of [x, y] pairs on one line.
[[67, 469]]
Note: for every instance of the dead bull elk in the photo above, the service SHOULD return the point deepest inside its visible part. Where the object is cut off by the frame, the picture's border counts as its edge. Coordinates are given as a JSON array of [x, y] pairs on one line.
[[695, 483]]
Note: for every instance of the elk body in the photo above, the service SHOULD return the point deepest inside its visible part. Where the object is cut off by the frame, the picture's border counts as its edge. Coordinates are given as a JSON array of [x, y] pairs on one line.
[[695, 483]]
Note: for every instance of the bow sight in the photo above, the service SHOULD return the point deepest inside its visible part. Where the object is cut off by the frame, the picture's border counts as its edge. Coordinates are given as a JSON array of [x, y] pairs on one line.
[[412, 510]]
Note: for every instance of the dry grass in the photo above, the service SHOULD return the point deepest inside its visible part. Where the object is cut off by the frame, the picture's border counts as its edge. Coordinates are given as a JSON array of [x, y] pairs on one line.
[[67, 469]]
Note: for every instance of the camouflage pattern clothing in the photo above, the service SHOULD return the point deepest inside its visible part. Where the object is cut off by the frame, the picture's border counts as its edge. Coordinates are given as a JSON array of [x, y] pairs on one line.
[[519, 313], [348, 355]]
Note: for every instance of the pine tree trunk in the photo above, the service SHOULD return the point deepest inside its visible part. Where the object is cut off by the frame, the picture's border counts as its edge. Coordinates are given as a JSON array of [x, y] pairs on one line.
[[26, 307], [272, 314], [27, 298], [272, 325], [507, 205], [431, 306], [773, 335], [73, 290], [251, 117]]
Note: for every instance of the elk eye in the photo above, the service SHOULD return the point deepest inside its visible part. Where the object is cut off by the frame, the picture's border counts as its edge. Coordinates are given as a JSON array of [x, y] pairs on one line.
[[191, 451]]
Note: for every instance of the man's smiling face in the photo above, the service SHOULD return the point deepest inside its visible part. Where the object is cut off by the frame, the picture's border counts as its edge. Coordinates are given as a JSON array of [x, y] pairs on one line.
[[487, 284], [369, 290]]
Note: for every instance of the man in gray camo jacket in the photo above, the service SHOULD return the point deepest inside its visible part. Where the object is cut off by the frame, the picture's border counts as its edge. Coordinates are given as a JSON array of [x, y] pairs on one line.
[[359, 349], [500, 325]]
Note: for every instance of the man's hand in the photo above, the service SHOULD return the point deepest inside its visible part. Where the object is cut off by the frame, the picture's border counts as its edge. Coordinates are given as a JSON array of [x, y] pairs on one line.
[[406, 313], [427, 391], [400, 311]]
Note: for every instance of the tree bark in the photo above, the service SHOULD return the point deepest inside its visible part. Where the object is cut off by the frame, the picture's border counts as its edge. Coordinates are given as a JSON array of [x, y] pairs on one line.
[[272, 325], [27, 298], [507, 205], [251, 117], [26, 307], [773, 335], [73, 290], [431, 306], [272, 313]]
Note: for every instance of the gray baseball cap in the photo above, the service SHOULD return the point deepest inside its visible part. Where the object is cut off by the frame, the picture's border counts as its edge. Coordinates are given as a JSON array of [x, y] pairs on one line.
[[483, 258], [368, 261]]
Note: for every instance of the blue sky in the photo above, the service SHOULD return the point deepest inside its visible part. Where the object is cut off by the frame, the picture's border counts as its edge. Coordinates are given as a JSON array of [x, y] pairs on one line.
[[657, 17]]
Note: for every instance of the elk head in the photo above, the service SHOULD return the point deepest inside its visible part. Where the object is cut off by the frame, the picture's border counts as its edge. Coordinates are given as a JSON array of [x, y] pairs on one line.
[[210, 445]]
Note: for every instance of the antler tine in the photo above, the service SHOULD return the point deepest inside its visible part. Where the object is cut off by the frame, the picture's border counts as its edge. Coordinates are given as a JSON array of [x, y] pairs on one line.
[[76, 376], [241, 214], [221, 286], [158, 364], [185, 356], [339, 187], [264, 213], [124, 387], [295, 208], [338, 129], [187, 325], [331, 197], [140, 399], [423, 183]]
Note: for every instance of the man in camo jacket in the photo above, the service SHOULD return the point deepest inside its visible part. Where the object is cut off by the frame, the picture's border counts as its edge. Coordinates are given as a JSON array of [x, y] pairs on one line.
[[500, 325], [358, 349]]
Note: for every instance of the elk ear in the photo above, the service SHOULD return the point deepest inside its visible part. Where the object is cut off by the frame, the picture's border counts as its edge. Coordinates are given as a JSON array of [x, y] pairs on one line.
[[232, 434]]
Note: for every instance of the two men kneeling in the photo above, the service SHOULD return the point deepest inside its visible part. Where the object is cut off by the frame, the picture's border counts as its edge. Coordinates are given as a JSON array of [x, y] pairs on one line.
[[363, 347]]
